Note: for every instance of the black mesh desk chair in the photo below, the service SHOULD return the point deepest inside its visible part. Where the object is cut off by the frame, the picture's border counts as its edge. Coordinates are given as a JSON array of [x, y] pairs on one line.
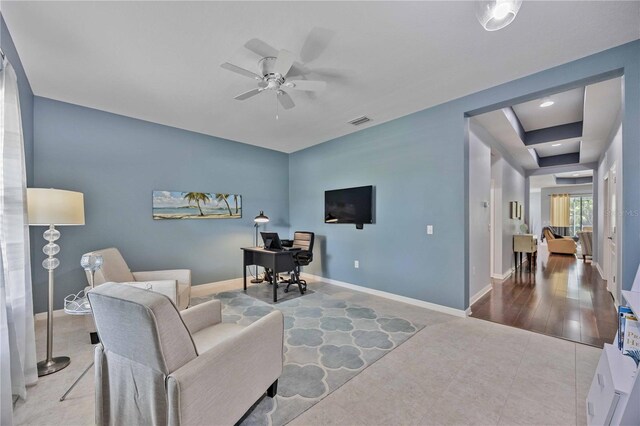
[[303, 241]]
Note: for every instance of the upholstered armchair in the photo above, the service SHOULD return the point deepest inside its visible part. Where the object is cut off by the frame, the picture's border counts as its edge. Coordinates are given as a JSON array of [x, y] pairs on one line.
[[159, 366], [564, 245], [175, 283], [586, 244]]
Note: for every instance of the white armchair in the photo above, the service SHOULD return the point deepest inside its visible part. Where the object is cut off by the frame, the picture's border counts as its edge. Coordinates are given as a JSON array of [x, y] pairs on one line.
[[187, 368], [175, 283]]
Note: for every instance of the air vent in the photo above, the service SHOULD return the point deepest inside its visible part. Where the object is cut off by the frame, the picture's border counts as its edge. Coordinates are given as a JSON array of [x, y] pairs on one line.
[[360, 120]]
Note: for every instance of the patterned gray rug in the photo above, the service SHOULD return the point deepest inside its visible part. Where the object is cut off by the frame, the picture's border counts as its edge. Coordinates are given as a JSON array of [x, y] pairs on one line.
[[327, 342]]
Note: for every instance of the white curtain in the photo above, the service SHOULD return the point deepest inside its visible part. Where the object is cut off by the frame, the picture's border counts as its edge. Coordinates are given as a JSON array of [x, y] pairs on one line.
[[17, 336], [560, 209]]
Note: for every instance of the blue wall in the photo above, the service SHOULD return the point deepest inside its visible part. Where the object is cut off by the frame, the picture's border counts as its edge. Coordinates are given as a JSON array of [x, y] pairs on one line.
[[419, 165], [418, 175], [117, 162], [25, 92]]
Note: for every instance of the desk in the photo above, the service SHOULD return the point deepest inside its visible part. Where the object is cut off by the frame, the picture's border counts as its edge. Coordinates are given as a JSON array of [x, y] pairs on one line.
[[276, 260]]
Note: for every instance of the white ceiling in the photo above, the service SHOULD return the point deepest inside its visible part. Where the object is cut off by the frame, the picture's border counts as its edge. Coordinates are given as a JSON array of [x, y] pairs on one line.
[[566, 147], [567, 108], [548, 181], [160, 61], [602, 103]]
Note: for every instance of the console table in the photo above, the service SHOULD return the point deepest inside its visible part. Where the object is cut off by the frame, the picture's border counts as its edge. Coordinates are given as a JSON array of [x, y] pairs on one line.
[[525, 243]]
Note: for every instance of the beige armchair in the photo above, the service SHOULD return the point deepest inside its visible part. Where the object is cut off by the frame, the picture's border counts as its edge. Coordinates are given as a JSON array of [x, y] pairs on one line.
[[175, 283], [564, 245], [163, 367]]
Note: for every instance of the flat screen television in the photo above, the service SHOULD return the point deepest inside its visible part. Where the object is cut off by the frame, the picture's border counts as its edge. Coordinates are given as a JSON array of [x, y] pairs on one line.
[[350, 205]]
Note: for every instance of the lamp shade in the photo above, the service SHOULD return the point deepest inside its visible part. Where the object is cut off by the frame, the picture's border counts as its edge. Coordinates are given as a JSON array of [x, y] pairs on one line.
[[48, 206], [261, 218]]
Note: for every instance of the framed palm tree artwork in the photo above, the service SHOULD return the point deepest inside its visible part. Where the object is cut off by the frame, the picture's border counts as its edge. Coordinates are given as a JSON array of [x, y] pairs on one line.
[[196, 205]]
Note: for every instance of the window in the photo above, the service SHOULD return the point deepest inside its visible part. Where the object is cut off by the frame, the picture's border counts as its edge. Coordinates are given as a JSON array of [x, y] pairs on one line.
[[580, 213]]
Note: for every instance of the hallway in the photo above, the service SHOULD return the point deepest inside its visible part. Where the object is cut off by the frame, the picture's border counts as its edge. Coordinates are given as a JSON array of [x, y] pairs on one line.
[[565, 298]]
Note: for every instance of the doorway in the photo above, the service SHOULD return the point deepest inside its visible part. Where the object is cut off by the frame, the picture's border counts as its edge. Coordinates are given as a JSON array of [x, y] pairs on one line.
[[610, 254]]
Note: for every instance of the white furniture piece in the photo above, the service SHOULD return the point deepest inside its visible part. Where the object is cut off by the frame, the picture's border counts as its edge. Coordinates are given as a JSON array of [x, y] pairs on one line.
[[175, 283], [614, 396], [163, 367], [526, 243]]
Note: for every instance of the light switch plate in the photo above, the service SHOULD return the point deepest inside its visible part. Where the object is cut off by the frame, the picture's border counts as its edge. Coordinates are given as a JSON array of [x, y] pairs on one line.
[[430, 229], [356, 264]]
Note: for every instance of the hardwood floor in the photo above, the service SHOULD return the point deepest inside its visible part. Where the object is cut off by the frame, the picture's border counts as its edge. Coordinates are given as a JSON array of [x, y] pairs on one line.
[[564, 298]]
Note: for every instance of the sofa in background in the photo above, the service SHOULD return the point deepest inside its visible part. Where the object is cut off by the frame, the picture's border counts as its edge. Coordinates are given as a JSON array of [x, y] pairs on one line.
[[563, 245]]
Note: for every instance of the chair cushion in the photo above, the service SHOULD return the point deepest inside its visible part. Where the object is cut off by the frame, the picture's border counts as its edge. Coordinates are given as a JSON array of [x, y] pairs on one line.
[[209, 337]]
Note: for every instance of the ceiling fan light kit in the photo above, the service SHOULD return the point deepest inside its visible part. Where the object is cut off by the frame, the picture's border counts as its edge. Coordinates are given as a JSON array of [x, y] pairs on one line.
[[494, 15], [273, 77]]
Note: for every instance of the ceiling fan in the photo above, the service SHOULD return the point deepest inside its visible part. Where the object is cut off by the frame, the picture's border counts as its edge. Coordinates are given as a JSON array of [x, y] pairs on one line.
[[273, 77]]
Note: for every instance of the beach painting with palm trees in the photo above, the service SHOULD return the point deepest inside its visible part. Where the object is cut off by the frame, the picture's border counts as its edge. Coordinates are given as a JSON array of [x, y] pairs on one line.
[[196, 205]]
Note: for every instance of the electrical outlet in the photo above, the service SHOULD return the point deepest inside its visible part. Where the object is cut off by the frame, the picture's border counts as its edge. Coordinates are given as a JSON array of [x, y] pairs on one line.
[[356, 264], [430, 229]]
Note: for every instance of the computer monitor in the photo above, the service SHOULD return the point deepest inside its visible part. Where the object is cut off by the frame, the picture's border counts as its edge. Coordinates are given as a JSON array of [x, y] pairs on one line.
[[271, 240]]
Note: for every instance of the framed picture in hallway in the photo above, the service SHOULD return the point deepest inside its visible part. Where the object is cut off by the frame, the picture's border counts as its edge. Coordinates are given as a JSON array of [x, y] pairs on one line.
[[513, 210], [196, 205], [520, 211]]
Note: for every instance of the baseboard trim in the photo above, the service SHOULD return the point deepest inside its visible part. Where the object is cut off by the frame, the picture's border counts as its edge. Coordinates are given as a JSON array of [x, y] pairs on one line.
[[600, 271], [479, 294], [206, 289], [501, 277], [43, 315], [390, 296]]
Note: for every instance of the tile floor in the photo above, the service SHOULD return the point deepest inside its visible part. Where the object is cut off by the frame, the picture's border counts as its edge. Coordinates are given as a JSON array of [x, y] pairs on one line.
[[454, 371]]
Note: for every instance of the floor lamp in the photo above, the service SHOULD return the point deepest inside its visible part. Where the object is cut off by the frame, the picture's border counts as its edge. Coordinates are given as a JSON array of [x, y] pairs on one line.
[[51, 207], [261, 218]]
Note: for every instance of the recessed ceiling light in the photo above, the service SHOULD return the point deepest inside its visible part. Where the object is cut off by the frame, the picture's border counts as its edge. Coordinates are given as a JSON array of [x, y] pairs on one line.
[[556, 144], [497, 14], [546, 103]]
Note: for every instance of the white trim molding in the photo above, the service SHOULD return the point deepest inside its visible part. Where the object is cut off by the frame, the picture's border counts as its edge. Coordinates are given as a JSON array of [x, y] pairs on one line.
[[600, 271], [501, 277], [43, 315], [200, 290], [473, 299], [390, 296]]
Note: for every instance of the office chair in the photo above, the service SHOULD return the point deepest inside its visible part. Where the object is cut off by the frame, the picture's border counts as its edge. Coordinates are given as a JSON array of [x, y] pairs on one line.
[[303, 241]]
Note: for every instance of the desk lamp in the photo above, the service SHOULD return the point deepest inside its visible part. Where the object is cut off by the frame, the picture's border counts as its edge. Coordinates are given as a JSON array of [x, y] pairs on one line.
[[51, 207], [261, 218]]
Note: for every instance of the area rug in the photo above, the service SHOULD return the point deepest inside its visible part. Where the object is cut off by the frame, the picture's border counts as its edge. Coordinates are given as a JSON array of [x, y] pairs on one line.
[[327, 342], [264, 292]]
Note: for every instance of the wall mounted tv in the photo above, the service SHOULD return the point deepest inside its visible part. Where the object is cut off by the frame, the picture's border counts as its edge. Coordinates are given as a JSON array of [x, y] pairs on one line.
[[350, 205]]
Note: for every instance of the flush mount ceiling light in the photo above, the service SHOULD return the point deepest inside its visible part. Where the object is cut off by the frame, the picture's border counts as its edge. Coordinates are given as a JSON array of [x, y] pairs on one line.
[[546, 103], [496, 14]]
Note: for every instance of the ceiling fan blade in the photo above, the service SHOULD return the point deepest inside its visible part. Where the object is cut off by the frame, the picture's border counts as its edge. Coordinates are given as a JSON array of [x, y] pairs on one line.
[[247, 95], [241, 71], [317, 42], [285, 100], [308, 85], [284, 62], [261, 48]]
